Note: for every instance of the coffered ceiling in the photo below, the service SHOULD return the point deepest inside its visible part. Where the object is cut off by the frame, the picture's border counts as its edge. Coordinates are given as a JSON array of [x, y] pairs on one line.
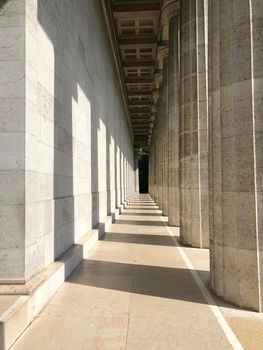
[[135, 29]]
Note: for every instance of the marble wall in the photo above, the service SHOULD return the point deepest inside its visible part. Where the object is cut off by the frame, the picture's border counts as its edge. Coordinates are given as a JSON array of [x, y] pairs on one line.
[[12, 138], [66, 153]]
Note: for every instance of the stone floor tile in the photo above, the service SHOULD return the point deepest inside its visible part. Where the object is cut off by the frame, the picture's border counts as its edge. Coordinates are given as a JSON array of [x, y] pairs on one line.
[[133, 291]]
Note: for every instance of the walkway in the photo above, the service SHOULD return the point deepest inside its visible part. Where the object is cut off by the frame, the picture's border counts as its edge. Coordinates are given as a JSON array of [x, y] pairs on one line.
[[134, 291]]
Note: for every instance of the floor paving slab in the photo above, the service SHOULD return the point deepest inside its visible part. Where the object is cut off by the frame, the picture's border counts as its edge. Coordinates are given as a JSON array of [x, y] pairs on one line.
[[134, 290]]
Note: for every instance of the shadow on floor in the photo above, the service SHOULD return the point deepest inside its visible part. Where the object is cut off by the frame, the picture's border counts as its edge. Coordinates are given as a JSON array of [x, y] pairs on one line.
[[164, 282], [157, 281], [138, 239], [140, 208], [144, 223], [143, 205], [141, 214]]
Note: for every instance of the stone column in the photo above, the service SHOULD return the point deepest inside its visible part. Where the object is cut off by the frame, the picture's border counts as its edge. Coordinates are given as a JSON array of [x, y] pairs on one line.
[[156, 159], [170, 17], [193, 127], [162, 155], [12, 148], [152, 160], [27, 241], [165, 143], [152, 167], [155, 166], [236, 148], [150, 172], [154, 150], [159, 161], [136, 173]]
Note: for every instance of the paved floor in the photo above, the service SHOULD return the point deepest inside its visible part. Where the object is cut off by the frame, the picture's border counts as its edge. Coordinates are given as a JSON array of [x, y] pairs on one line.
[[133, 291]]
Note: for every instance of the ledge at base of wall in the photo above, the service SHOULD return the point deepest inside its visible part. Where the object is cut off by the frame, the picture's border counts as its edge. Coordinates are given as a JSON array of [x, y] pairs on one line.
[[18, 311]]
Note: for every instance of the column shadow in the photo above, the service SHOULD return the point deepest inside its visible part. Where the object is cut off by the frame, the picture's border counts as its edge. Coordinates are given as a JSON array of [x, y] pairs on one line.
[[141, 223], [157, 281], [137, 238]]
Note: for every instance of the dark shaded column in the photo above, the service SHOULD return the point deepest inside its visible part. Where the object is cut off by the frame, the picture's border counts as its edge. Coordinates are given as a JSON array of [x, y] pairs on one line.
[[173, 122], [165, 139]]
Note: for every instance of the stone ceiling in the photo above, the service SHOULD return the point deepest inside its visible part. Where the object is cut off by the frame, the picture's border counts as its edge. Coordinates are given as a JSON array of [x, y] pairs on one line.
[[135, 32]]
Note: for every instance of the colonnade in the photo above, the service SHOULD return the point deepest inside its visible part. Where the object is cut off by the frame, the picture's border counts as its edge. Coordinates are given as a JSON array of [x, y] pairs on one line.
[[206, 146]]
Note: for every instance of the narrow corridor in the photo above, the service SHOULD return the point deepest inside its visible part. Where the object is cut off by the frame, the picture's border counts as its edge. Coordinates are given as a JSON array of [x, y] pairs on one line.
[[133, 291]]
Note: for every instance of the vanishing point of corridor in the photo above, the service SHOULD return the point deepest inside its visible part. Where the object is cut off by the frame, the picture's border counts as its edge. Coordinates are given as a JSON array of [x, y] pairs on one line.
[[134, 290]]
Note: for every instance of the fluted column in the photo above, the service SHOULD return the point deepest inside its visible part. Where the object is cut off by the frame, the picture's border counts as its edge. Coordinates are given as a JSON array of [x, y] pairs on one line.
[[153, 153], [165, 140], [160, 154], [193, 127], [170, 9], [136, 173], [150, 171], [173, 121], [236, 150], [152, 166], [154, 144], [161, 127]]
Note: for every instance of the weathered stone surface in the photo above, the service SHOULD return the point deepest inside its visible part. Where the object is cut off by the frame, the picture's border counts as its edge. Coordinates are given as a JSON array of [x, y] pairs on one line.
[[236, 151], [165, 139], [193, 127], [173, 124], [66, 154]]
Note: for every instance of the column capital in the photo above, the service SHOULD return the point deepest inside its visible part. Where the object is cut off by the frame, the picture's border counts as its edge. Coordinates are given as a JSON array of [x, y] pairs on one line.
[[156, 95], [170, 9], [162, 54], [153, 109]]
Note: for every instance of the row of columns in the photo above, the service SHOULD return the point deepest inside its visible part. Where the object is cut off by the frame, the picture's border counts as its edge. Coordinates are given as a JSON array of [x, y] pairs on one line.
[[206, 153]]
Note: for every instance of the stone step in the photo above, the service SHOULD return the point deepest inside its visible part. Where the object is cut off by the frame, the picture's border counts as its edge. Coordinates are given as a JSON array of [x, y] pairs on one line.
[[18, 311]]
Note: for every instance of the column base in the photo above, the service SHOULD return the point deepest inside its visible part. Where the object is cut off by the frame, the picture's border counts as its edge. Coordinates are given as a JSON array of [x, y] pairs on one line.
[[20, 286]]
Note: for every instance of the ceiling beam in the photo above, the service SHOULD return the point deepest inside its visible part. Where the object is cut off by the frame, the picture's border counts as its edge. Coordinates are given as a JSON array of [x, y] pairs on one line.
[[141, 122], [140, 119], [139, 6], [139, 93], [134, 120], [140, 103], [137, 40], [143, 80], [141, 111], [148, 118], [138, 63], [141, 127]]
